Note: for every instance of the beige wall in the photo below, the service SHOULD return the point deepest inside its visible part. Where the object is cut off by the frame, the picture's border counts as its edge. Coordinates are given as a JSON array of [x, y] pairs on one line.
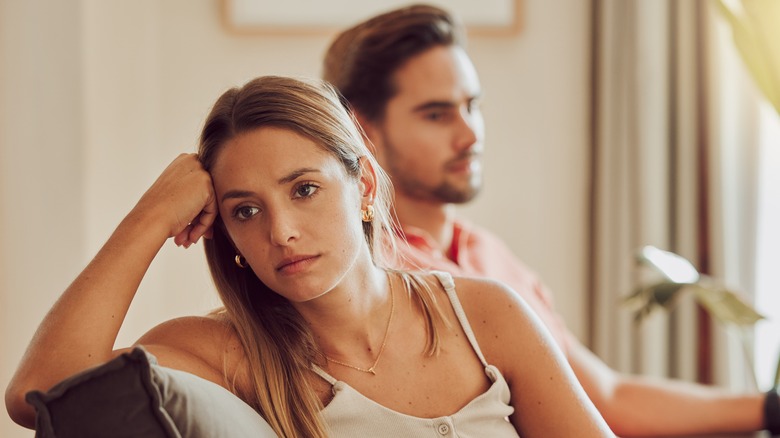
[[97, 97], [42, 238]]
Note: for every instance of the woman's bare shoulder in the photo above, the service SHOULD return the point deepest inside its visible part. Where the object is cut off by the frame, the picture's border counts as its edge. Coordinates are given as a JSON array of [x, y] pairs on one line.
[[502, 322], [191, 332], [207, 346], [486, 296]]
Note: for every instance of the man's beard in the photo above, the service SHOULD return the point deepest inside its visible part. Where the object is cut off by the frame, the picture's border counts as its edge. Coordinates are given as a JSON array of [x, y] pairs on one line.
[[445, 192], [449, 194]]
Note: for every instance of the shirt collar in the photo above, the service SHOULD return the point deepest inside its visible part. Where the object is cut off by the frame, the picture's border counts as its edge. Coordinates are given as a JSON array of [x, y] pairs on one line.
[[420, 238]]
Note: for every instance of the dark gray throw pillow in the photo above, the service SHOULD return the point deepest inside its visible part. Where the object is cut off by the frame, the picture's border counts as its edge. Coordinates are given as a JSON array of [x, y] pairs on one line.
[[132, 396]]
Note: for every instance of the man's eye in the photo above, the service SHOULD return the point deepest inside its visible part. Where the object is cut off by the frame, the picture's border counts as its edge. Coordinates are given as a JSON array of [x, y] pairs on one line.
[[435, 116], [305, 190], [244, 213]]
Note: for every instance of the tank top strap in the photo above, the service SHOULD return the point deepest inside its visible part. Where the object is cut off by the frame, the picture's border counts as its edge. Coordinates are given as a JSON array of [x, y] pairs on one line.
[[447, 282], [325, 376]]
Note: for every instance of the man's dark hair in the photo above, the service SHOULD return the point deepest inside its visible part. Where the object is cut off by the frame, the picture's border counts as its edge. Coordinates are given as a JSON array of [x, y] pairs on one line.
[[362, 60]]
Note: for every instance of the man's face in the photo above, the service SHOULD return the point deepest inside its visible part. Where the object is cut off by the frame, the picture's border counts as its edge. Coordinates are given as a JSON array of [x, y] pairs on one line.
[[431, 138]]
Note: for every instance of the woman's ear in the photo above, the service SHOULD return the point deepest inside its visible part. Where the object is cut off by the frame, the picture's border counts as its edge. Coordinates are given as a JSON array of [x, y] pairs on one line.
[[367, 183]]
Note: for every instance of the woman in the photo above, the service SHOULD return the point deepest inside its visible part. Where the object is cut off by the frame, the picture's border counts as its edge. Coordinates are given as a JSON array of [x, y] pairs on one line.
[[315, 334]]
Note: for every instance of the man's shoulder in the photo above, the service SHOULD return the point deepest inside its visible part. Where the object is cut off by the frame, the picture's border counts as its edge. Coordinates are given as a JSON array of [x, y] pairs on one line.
[[485, 242], [478, 231]]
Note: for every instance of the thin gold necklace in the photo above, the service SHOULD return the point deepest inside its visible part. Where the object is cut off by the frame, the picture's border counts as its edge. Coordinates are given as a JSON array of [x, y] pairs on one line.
[[372, 369]]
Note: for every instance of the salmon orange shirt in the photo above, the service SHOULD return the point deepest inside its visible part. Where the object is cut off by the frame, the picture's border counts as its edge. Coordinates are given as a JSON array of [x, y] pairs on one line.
[[477, 253]]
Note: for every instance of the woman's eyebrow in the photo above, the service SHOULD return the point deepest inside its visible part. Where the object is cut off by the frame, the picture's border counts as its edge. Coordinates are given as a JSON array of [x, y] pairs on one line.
[[290, 177], [236, 194], [297, 173]]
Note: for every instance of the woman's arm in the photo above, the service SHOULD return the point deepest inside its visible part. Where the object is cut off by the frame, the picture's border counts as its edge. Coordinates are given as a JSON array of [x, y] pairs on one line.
[[547, 397], [80, 329]]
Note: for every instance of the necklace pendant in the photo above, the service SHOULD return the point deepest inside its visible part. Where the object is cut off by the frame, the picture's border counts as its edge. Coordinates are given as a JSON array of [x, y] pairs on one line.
[[384, 341]]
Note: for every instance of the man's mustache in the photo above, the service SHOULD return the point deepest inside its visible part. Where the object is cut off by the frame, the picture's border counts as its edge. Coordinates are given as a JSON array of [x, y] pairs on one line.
[[464, 156]]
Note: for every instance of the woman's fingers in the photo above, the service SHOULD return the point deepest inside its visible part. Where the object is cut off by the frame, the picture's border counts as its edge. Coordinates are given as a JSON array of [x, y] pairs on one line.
[[182, 239], [183, 197], [199, 227], [205, 220]]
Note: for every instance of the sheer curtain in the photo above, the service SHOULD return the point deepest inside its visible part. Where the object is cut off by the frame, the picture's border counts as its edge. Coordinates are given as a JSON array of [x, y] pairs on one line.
[[685, 156], [654, 177], [735, 180]]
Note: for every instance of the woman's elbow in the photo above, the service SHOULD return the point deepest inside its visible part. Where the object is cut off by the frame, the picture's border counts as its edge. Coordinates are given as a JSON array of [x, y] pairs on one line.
[[24, 380], [18, 409]]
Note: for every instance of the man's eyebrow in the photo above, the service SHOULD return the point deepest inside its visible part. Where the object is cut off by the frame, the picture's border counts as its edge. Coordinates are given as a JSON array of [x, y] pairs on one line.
[[442, 104], [434, 104]]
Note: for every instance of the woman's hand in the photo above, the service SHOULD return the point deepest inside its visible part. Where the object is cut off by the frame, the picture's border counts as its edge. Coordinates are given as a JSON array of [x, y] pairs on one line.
[[183, 199], [81, 328]]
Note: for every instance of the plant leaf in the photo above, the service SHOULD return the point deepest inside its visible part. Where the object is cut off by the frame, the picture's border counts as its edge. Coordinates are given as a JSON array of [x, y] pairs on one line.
[[645, 299], [726, 305], [672, 266]]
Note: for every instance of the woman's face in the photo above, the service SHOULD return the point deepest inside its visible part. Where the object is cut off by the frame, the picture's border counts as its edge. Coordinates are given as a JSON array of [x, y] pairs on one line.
[[291, 210]]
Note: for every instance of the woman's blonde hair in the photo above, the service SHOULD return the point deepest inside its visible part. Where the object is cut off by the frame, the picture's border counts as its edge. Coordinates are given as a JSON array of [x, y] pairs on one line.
[[277, 342]]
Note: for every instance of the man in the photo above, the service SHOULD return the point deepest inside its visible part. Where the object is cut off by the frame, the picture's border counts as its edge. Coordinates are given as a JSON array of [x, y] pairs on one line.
[[416, 94]]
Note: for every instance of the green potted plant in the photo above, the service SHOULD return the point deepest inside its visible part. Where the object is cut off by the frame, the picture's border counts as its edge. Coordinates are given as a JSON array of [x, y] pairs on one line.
[[678, 276]]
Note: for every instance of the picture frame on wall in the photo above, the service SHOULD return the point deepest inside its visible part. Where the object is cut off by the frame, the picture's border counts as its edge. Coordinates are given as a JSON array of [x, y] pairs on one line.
[[494, 17]]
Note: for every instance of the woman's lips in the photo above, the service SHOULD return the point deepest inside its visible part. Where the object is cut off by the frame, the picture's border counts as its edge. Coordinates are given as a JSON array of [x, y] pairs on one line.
[[296, 264]]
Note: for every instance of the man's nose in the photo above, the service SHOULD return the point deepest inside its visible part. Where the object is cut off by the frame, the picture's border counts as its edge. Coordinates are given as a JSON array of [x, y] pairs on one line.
[[469, 129]]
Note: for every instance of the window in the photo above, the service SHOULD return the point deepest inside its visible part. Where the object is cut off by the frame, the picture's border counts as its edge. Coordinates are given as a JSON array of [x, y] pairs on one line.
[[767, 293]]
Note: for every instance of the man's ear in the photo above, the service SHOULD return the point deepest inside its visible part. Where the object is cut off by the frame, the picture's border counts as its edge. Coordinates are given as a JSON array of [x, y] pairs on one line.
[[367, 184], [367, 127], [372, 137]]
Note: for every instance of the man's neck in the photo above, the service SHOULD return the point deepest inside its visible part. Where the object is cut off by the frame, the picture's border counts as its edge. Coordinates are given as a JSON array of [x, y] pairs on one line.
[[434, 218]]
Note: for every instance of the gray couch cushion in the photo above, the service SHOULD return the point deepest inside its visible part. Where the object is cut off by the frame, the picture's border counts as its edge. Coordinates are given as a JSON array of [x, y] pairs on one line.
[[132, 396]]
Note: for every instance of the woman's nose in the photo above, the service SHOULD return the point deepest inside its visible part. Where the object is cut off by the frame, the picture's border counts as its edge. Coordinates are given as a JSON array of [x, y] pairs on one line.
[[283, 230]]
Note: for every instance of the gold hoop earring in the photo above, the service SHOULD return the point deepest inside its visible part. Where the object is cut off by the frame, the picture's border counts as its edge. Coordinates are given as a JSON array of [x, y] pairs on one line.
[[368, 214], [240, 261]]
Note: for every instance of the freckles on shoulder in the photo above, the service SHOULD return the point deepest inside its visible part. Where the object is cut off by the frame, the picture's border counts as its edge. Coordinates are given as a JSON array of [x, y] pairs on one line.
[[489, 298], [497, 315], [208, 338], [206, 346]]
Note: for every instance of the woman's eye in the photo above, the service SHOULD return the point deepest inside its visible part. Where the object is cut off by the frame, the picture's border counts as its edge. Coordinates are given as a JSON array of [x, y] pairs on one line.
[[244, 213], [305, 190]]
